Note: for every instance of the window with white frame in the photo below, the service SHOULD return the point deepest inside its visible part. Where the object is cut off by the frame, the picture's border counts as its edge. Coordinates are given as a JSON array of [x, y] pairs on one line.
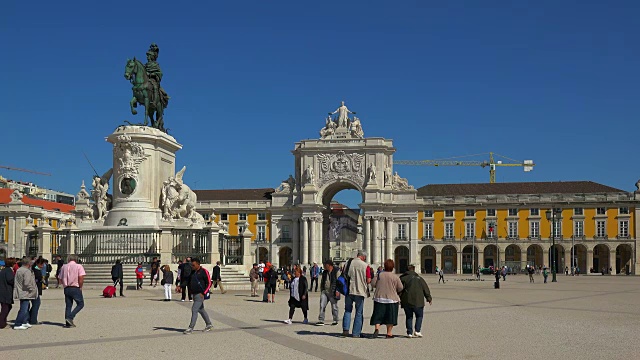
[[470, 212], [286, 234], [428, 230], [513, 212], [558, 229], [428, 213], [448, 230], [491, 229], [513, 229], [402, 231], [624, 210], [601, 228], [1, 232], [534, 229], [578, 228], [578, 211], [206, 216], [601, 211], [242, 216], [262, 233], [262, 216], [534, 212], [448, 213], [224, 217], [241, 229], [470, 230], [491, 212], [623, 228]]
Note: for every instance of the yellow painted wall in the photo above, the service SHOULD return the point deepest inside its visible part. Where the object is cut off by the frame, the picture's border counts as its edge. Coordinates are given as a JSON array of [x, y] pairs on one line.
[[481, 224], [233, 219], [438, 224], [458, 227], [590, 222], [501, 224], [421, 224]]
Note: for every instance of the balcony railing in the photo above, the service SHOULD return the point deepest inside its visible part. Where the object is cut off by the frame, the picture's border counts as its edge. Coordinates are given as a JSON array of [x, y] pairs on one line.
[[621, 237], [449, 238], [605, 237], [578, 237], [533, 238], [469, 238], [400, 238], [427, 238], [513, 238]]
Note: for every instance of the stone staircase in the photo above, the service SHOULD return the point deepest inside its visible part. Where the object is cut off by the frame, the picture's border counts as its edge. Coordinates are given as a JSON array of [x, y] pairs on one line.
[[99, 275]]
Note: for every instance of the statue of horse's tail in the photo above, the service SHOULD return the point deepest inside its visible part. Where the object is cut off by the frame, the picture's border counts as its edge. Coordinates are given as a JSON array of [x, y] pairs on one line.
[[164, 98]]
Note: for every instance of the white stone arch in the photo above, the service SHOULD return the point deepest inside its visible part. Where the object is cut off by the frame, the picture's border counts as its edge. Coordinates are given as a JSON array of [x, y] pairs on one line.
[[330, 189]]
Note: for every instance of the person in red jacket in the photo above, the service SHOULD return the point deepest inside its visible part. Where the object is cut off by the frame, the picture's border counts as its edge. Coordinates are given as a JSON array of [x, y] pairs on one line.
[[139, 276]]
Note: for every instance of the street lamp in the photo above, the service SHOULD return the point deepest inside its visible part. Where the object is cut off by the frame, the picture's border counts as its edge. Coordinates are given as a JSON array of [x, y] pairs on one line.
[[552, 215]]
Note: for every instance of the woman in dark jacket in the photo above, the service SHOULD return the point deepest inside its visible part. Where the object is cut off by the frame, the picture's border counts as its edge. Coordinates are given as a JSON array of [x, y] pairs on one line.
[[299, 298], [271, 283], [35, 303], [6, 291]]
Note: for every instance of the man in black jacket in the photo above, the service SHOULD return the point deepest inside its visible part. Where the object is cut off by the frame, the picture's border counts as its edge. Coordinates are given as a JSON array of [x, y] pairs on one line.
[[117, 275], [412, 300], [185, 279], [328, 293], [200, 284], [215, 277]]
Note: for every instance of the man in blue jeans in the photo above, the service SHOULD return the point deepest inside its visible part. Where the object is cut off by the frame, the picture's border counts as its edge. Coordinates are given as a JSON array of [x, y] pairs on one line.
[[358, 275], [72, 279], [412, 300]]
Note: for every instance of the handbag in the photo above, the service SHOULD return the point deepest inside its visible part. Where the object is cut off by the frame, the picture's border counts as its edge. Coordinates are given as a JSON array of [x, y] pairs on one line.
[[162, 282]]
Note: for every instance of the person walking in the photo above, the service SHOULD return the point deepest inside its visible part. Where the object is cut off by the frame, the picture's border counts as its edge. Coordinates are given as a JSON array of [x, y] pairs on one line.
[[185, 279], [478, 273], [215, 277], [117, 276], [261, 271], [412, 300], [545, 274], [315, 273], [271, 283], [358, 279], [6, 291], [503, 272], [59, 264], [199, 285], [37, 268], [72, 277], [24, 290], [139, 276], [441, 274], [385, 299], [328, 293], [531, 270], [254, 279], [299, 297], [566, 271], [167, 281], [155, 267], [48, 268]]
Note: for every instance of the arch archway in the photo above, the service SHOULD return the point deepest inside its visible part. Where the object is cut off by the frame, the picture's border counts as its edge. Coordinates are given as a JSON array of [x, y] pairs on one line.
[[513, 259], [579, 258], [469, 259], [559, 258], [401, 259], [449, 259], [624, 259], [263, 254], [490, 256], [601, 258], [428, 259], [535, 255], [285, 256], [341, 217]]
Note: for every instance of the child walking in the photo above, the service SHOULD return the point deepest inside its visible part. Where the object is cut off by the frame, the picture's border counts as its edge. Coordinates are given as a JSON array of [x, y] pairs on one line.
[[139, 276]]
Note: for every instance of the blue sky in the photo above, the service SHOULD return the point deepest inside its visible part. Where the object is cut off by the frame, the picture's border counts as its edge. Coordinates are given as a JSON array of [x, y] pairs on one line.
[[552, 81]]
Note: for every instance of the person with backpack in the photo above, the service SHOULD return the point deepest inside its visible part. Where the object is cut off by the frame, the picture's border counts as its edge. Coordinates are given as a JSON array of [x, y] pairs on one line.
[[117, 275], [199, 285], [328, 293], [357, 280], [412, 300], [441, 274], [185, 280], [271, 283]]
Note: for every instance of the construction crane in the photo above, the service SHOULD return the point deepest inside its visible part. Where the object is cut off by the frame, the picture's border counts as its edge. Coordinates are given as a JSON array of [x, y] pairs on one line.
[[526, 164], [24, 170]]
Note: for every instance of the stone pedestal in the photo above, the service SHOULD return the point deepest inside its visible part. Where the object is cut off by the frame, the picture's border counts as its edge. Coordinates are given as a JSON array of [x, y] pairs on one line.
[[143, 158], [247, 254]]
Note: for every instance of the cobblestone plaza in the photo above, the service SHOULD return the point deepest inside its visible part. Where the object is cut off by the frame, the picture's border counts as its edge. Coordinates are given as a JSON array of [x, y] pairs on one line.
[[585, 317]]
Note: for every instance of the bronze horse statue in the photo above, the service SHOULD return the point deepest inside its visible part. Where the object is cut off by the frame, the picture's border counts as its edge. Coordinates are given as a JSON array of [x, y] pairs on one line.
[[153, 99]]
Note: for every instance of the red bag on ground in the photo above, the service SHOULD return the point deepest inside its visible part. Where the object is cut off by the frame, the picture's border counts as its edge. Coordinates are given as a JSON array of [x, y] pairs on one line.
[[109, 291]]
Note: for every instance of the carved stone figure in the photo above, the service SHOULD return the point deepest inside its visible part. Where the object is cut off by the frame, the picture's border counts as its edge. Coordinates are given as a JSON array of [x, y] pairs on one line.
[[178, 201], [83, 195], [638, 186], [343, 115], [308, 175], [16, 197], [223, 226], [130, 155], [400, 183], [371, 174], [99, 193], [356, 128], [388, 178], [341, 166], [146, 88], [286, 186], [329, 127]]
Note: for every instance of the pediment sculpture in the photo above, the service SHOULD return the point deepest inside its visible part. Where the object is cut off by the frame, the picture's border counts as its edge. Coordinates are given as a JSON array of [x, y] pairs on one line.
[[130, 155], [178, 201], [287, 186], [99, 194], [342, 126], [400, 183], [340, 165]]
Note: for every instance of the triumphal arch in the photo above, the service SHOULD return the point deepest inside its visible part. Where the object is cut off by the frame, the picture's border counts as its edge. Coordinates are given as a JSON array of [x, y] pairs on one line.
[[343, 158]]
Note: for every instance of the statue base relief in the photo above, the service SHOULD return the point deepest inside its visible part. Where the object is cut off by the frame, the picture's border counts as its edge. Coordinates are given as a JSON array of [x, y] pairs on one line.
[[143, 159]]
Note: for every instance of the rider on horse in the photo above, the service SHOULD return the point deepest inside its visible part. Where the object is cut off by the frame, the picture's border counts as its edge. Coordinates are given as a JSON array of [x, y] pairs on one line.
[[155, 75]]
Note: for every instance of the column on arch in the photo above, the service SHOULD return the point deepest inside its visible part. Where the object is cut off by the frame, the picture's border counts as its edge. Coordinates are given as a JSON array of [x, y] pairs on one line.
[[295, 242], [389, 240], [313, 241], [304, 241], [375, 242], [366, 235], [612, 260]]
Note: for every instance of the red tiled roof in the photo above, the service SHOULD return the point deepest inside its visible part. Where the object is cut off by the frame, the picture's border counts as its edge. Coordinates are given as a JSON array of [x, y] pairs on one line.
[[234, 194], [5, 198], [524, 188]]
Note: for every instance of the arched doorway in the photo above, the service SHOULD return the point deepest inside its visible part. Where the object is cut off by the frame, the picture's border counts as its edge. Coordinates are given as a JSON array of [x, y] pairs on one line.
[[402, 259], [285, 256], [601, 258], [490, 256], [428, 259], [263, 254], [341, 228], [469, 259], [449, 261], [579, 258], [559, 258], [624, 255], [535, 256], [513, 259]]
